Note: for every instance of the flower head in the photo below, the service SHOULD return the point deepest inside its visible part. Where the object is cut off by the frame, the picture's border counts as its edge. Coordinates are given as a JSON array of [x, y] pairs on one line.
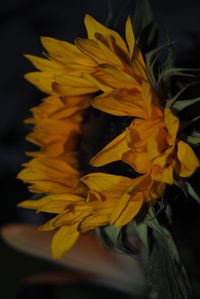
[[109, 74]]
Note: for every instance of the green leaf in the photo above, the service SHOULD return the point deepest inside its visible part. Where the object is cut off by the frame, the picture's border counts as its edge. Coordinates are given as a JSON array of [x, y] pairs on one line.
[[169, 63], [151, 59], [170, 102], [182, 104], [124, 243], [117, 239], [118, 23], [166, 275], [143, 17], [148, 38], [110, 13], [142, 231], [193, 140], [185, 124], [192, 192], [180, 72]]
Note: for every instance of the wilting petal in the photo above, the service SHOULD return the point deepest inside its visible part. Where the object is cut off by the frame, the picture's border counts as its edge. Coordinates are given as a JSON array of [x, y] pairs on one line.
[[187, 158]]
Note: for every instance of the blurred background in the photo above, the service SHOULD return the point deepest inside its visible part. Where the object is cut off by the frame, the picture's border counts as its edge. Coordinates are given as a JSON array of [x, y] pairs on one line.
[[21, 25]]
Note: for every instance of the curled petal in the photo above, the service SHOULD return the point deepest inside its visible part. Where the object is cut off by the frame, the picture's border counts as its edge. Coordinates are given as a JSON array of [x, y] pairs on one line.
[[188, 161], [111, 152], [172, 125]]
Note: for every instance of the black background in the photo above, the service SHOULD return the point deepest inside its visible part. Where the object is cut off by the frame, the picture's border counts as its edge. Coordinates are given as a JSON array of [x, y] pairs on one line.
[[21, 25]]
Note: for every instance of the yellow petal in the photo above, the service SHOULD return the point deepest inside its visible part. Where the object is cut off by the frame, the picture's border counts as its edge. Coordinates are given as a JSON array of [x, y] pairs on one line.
[[54, 203], [187, 158], [138, 160], [172, 125], [121, 103], [156, 191], [131, 210], [130, 38], [42, 80], [148, 96], [136, 189], [120, 76], [138, 65], [111, 152], [94, 222], [45, 65], [68, 85], [64, 239], [140, 132], [112, 36], [65, 52], [50, 173], [97, 51], [111, 186], [97, 83], [164, 175]]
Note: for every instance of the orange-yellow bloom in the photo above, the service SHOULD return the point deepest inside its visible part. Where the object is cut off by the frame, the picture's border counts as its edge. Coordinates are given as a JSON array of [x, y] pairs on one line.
[[71, 76]]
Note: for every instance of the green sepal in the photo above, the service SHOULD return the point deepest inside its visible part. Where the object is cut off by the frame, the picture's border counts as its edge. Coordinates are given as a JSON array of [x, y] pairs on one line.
[[118, 23], [179, 72], [143, 17], [142, 231], [170, 102], [169, 63], [185, 124], [182, 104], [147, 39], [151, 59], [117, 239], [193, 140], [192, 192]]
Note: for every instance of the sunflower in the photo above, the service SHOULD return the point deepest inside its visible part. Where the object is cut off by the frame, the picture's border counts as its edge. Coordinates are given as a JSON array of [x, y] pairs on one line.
[[108, 74]]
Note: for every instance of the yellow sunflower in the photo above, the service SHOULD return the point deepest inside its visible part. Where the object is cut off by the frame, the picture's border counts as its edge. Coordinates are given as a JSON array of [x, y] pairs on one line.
[[109, 74]]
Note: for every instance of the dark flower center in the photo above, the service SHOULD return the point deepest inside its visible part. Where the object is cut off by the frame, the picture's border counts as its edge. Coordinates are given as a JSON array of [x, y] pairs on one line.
[[98, 129]]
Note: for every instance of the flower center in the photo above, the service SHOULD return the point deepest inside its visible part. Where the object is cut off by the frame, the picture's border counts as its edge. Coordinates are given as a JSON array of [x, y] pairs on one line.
[[98, 129]]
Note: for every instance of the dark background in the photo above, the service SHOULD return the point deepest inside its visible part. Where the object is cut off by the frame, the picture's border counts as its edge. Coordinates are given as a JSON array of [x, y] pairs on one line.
[[21, 25]]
